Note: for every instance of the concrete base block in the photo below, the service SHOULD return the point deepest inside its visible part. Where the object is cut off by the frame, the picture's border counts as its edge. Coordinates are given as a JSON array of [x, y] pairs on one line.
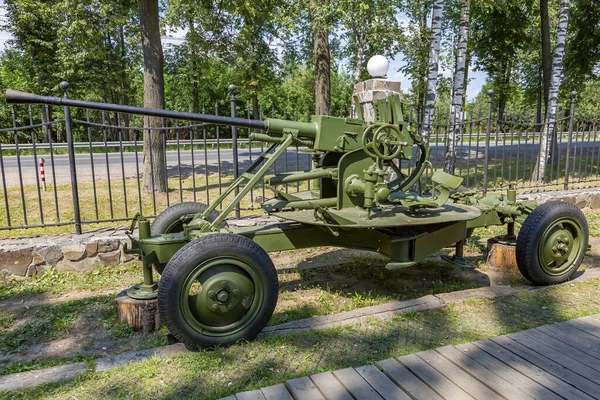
[[501, 254]]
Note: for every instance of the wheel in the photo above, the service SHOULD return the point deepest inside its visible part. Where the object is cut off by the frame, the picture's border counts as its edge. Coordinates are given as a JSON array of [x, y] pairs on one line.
[[169, 221], [218, 289], [552, 243]]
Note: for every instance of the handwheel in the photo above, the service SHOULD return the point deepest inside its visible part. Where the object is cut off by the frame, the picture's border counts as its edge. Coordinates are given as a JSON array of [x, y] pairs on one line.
[[383, 141], [170, 221], [218, 289], [552, 243]]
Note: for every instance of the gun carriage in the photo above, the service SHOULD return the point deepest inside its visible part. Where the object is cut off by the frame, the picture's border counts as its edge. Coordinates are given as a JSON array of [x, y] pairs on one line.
[[218, 284]]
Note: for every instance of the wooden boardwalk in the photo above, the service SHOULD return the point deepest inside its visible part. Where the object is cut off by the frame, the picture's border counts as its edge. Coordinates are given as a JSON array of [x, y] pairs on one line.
[[559, 361]]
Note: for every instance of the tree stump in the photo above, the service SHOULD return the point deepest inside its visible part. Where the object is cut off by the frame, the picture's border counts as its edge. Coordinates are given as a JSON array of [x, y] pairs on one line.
[[139, 314], [501, 254]]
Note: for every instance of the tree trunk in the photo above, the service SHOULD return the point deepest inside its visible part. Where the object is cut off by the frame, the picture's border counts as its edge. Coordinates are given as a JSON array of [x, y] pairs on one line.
[[539, 172], [154, 96], [194, 63], [255, 107], [434, 51], [320, 36], [46, 120], [546, 51], [125, 83], [503, 87], [360, 43], [538, 111], [459, 84]]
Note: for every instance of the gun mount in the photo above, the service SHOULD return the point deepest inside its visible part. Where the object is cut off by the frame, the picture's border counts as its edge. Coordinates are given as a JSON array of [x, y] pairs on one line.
[[218, 284]]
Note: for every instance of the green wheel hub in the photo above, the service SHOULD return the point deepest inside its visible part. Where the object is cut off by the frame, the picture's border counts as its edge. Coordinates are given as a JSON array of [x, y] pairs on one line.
[[221, 296], [560, 246]]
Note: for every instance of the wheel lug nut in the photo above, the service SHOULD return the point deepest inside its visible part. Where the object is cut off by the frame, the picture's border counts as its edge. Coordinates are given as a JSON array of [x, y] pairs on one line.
[[211, 294], [235, 292], [215, 307], [223, 283], [229, 306], [223, 296]]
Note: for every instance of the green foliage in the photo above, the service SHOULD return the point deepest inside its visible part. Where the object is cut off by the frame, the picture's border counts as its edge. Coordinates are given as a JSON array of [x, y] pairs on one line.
[[582, 53], [265, 48]]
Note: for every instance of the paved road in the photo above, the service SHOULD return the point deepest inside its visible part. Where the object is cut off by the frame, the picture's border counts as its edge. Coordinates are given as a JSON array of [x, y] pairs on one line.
[[222, 162], [216, 162]]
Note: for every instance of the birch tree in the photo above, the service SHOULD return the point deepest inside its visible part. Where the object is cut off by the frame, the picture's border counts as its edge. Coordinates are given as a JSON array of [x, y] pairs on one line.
[[458, 86], [548, 131], [434, 52]]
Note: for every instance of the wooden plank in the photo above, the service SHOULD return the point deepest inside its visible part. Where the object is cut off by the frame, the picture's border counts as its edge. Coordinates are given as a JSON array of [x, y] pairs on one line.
[[533, 371], [355, 384], [438, 382], [330, 387], [580, 328], [304, 389], [590, 331], [553, 363], [572, 339], [406, 380], [381, 383], [276, 392], [509, 373], [575, 353], [457, 376], [589, 325], [250, 395], [506, 388], [24, 380]]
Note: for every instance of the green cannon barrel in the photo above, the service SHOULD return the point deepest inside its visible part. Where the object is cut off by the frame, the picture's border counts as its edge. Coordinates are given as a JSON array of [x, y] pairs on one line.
[[15, 96], [305, 129]]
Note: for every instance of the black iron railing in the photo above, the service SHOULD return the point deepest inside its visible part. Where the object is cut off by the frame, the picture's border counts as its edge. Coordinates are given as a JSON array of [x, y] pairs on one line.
[[93, 160]]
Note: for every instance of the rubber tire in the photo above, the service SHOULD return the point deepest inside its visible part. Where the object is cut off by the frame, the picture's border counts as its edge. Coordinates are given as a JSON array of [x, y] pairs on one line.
[[531, 233], [185, 261], [165, 222]]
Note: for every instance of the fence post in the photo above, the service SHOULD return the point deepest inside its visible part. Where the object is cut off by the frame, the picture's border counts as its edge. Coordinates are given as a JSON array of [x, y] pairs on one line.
[[232, 89], [487, 142], [571, 121], [64, 87]]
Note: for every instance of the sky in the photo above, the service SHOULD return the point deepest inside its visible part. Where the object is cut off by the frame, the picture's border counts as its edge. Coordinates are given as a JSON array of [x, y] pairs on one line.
[[476, 78]]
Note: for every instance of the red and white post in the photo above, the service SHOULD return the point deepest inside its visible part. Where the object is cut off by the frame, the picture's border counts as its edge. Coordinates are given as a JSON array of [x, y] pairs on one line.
[[42, 173]]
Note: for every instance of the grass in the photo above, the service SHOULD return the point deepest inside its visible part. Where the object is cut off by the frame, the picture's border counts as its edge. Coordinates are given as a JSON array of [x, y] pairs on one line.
[[47, 309], [110, 203], [224, 371], [365, 282], [53, 282]]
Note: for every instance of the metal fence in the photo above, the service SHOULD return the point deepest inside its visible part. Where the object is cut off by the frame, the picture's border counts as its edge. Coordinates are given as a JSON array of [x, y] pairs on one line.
[[93, 160]]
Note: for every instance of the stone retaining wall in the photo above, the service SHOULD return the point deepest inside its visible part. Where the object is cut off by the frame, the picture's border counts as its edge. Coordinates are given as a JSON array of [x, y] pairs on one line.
[[32, 255], [582, 198]]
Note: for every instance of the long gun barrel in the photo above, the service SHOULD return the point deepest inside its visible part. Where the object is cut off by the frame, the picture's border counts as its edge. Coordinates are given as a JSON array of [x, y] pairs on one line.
[[272, 126]]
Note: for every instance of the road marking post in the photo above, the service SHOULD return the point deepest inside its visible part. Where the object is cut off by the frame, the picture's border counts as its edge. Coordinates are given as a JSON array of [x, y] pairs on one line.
[[42, 173]]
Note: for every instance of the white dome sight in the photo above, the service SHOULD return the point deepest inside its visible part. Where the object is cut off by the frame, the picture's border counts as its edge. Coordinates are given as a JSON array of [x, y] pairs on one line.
[[378, 66]]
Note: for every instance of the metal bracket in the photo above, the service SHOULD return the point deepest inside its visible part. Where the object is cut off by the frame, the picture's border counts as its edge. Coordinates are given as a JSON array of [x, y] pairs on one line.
[[459, 261]]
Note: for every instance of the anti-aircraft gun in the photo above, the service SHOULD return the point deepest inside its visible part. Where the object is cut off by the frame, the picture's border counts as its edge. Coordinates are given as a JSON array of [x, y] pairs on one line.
[[218, 284]]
